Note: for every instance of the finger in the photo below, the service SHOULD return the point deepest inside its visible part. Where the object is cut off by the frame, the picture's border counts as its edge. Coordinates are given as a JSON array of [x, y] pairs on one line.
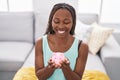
[[52, 65], [49, 62], [67, 61], [63, 65]]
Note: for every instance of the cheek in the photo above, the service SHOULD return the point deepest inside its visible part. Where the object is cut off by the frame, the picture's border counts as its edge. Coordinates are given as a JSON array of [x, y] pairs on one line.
[[69, 26], [53, 25]]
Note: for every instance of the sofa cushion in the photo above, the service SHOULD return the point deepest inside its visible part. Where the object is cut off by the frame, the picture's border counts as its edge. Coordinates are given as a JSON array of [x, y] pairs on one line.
[[13, 54], [16, 26], [82, 31], [117, 36], [30, 61], [110, 55], [94, 63], [98, 37], [111, 49]]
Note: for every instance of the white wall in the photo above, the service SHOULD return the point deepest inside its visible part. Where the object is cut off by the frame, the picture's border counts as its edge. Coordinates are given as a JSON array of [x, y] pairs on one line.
[[89, 6], [110, 11]]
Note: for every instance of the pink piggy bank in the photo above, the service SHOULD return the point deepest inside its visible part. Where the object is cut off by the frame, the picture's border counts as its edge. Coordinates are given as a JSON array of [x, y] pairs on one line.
[[57, 57]]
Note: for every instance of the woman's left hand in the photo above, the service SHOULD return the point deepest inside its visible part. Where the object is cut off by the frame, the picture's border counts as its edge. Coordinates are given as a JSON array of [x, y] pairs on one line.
[[65, 63]]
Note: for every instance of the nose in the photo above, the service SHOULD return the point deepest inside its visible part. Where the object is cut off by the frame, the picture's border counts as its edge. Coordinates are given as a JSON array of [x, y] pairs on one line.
[[61, 25]]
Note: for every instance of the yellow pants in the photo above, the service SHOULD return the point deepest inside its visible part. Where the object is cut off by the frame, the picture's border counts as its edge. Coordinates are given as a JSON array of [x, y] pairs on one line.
[[28, 73]]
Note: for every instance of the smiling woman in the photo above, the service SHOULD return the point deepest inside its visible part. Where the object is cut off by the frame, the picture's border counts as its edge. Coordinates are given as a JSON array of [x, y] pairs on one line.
[[59, 38]]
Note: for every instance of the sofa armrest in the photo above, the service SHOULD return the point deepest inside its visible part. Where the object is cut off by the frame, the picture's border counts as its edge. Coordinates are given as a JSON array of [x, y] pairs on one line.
[[110, 56]]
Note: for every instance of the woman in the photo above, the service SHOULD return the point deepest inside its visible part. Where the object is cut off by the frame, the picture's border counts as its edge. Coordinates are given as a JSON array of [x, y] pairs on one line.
[[59, 37]]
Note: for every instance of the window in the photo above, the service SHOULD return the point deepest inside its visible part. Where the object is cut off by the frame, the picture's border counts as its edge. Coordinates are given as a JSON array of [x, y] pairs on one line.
[[16, 5], [3, 5]]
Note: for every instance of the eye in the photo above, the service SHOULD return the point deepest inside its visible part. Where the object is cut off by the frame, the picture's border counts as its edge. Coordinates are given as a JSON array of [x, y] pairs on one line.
[[67, 21], [56, 21]]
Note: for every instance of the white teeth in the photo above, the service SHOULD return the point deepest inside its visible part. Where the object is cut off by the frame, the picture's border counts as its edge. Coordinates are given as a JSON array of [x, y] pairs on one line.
[[61, 32]]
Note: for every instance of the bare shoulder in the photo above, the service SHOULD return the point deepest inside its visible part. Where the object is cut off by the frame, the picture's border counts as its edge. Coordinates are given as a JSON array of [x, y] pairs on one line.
[[84, 46], [38, 45], [38, 42], [83, 50]]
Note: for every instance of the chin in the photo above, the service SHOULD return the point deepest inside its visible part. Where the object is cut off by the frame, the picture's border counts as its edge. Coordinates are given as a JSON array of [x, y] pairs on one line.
[[62, 35]]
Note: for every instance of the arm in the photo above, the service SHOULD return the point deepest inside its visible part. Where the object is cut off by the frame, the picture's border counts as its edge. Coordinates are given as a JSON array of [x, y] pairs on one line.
[[80, 65], [41, 72]]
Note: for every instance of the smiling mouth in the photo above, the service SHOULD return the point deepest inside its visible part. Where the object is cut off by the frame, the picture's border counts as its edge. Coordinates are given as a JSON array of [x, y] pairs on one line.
[[61, 32]]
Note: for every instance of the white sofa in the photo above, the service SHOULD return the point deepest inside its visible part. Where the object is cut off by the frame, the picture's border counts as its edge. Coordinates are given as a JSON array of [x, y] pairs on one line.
[[19, 31], [16, 41]]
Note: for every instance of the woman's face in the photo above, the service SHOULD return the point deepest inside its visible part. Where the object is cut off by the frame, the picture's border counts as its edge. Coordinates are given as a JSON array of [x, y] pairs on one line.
[[62, 22]]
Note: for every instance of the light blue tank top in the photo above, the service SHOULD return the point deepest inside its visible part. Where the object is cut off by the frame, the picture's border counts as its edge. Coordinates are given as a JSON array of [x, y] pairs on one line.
[[71, 54]]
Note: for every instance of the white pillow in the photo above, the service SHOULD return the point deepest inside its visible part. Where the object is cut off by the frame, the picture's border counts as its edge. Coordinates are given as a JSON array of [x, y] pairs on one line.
[[82, 31], [98, 37]]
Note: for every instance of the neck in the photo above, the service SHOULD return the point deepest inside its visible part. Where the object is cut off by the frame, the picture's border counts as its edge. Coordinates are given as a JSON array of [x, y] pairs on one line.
[[62, 39]]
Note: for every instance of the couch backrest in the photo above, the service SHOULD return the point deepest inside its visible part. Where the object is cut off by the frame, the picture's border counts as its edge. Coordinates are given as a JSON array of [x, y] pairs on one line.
[[41, 21], [16, 26], [88, 18]]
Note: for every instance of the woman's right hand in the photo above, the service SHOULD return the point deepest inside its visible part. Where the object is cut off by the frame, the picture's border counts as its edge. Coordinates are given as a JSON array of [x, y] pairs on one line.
[[52, 64]]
